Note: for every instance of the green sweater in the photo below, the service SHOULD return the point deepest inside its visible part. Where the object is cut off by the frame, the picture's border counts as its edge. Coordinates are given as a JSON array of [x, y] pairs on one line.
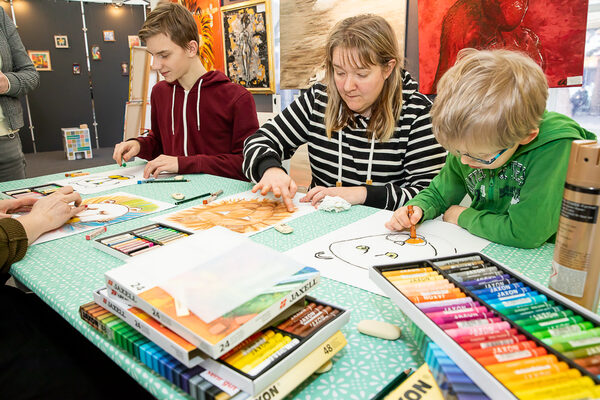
[[13, 244], [517, 204]]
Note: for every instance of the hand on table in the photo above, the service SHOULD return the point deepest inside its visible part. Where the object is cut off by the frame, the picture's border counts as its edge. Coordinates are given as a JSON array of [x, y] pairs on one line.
[[353, 195], [12, 206], [160, 164], [281, 184], [400, 220], [51, 212], [125, 151]]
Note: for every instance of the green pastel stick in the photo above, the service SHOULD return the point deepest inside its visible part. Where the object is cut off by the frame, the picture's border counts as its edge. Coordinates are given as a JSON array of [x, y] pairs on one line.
[[552, 323], [591, 340], [538, 316], [572, 336], [563, 330]]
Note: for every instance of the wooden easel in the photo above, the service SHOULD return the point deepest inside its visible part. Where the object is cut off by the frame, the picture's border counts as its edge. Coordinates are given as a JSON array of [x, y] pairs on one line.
[[140, 77]]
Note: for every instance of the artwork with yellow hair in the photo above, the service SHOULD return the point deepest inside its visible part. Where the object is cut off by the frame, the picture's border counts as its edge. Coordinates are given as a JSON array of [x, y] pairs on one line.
[[104, 210], [207, 14], [245, 213]]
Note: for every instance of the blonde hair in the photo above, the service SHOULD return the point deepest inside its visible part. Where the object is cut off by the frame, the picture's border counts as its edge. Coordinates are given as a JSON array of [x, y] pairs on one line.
[[174, 21], [491, 98], [375, 43]]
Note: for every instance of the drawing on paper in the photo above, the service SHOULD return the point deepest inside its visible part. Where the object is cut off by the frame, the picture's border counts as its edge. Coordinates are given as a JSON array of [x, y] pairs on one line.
[[103, 181], [238, 215], [364, 252], [104, 210]]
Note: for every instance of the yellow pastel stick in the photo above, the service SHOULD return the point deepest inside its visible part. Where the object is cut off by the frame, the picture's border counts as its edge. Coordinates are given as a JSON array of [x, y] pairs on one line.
[[548, 392]]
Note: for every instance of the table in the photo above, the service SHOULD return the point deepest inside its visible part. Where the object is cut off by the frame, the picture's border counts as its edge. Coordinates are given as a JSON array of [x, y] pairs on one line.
[[64, 273]]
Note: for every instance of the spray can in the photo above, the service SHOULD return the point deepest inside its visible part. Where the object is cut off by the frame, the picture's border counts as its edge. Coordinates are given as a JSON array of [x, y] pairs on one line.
[[576, 262]]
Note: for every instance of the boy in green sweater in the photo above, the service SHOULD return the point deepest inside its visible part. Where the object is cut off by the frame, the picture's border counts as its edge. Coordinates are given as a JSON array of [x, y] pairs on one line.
[[507, 153]]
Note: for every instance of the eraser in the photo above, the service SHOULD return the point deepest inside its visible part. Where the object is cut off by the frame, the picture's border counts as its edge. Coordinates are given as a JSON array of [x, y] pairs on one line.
[[379, 329]]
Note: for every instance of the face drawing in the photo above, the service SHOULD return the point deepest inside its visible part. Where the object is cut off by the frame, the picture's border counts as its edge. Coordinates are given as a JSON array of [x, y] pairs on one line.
[[390, 248], [102, 212], [103, 181]]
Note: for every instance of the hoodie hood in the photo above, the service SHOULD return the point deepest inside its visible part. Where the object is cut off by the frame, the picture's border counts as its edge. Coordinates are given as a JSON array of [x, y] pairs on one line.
[[555, 126]]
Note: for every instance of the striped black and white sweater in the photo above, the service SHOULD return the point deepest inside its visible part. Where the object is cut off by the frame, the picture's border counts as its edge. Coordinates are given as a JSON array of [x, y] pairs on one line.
[[401, 167]]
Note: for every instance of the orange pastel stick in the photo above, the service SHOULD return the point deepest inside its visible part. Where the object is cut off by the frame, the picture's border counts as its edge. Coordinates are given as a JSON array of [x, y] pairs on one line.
[[517, 355], [521, 364], [450, 288], [436, 297], [532, 372], [413, 230], [407, 271]]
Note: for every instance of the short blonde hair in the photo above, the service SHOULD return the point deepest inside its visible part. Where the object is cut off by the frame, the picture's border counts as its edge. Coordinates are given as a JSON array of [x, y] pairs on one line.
[[489, 98], [376, 44], [174, 21]]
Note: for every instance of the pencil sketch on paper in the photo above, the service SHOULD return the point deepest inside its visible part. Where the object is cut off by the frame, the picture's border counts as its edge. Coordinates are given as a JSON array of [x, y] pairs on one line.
[[364, 252]]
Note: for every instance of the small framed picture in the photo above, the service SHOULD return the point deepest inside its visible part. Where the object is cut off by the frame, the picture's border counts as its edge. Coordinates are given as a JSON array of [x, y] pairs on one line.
[[76, 69], [109, 36], [61, 41], [134, 40], [96, 53], [124, 68], [40, 59]]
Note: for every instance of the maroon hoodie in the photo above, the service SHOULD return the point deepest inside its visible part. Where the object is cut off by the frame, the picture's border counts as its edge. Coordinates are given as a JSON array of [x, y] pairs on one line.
[[209, 136]]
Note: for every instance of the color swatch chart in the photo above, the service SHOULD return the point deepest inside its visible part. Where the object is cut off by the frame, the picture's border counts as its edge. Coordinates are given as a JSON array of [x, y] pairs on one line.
[[35, 191], [531, 342], [139, 240], [191, 380], [264, 349]]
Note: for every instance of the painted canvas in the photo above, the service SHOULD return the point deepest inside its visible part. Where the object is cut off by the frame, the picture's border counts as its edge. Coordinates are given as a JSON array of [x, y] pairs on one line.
[[246, 213], [207, 14], [552, 32], [248, 45], [304, 27], [105, 210], [347, 253]]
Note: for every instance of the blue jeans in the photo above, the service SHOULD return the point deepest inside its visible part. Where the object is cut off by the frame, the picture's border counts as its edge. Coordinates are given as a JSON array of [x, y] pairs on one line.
[[12, 159]]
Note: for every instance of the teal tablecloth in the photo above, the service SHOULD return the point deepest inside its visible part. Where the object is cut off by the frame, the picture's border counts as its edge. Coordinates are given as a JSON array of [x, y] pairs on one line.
[[64, 273]]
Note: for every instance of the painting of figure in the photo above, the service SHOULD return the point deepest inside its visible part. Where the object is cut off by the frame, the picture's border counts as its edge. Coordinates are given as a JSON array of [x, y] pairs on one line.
[[248, 48], [551, 32]]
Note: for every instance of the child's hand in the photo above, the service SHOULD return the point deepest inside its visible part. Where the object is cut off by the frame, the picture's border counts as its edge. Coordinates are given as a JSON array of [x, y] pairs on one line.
[[400, 219], [452, 213]]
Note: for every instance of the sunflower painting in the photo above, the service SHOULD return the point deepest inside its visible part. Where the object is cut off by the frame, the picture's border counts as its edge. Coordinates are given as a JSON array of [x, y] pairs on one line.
[[207, 14]]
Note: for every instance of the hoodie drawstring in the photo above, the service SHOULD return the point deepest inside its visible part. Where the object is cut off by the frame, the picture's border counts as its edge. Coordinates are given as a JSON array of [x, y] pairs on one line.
[[172, 111], [198, 105]]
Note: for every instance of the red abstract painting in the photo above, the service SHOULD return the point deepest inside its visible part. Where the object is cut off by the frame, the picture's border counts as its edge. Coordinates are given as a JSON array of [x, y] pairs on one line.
[[552, 32], [207, 14]]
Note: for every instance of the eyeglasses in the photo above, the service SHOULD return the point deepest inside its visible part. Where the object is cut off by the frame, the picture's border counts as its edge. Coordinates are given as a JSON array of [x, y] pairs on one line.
[[481, 161]]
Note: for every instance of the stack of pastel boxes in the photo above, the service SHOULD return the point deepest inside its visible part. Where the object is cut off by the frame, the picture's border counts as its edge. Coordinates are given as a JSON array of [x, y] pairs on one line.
[[266, 346], [76, 142], [511, 336]]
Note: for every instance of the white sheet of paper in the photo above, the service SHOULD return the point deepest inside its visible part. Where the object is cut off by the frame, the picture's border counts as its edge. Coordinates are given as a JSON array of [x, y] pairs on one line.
[[248, 218], [108, 180], [347, 253], [105, 210]]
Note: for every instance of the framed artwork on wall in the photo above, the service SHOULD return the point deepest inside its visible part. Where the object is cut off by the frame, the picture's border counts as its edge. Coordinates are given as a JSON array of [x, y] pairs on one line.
[[133, 40], [76, 69], [248, 45], [109, 36], [96, 53], [61, 41], [207, 14], [124, 68], [40, 59]]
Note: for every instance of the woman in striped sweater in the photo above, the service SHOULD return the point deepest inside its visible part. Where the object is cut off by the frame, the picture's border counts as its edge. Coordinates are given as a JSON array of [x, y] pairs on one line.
[[368, 130]]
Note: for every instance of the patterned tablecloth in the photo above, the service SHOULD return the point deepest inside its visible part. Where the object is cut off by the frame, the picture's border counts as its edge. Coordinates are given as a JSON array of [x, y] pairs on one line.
[[64, 273]]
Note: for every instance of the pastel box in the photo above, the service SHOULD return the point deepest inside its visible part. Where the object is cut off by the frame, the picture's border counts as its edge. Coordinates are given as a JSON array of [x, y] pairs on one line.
[[100, 243], [472, 368], [255, 385]]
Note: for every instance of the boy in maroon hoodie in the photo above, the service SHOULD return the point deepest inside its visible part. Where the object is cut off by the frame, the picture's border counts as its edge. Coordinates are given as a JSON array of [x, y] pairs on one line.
[[199, 119]]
